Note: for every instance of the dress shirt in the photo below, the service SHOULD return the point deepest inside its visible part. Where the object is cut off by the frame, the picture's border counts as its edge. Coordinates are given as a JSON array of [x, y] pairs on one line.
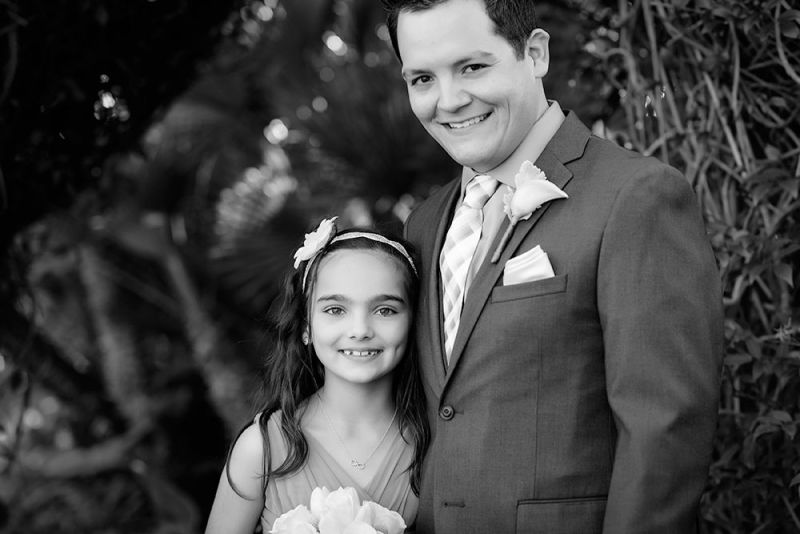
[[530, 148]]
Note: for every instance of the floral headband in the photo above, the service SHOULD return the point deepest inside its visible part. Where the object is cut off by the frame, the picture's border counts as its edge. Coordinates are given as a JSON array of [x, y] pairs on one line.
[[316, 241]]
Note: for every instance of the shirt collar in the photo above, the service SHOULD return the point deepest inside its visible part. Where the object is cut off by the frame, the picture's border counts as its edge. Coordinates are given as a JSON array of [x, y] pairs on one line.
[[530, 148]]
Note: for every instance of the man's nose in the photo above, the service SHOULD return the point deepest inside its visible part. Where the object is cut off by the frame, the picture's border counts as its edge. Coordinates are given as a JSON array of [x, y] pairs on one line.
[[452, 96]]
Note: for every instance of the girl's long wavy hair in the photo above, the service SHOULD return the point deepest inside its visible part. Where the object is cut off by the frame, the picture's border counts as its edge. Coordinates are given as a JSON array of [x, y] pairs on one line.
[[292, 372]]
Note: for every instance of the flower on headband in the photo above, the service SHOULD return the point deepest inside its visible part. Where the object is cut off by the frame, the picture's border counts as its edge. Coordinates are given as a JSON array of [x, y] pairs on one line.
[[315, 241], [531, 190]]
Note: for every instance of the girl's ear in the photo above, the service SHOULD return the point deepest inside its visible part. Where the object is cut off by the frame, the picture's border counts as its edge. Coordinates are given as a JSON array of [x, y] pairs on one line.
[[305, 337], [538, 49]]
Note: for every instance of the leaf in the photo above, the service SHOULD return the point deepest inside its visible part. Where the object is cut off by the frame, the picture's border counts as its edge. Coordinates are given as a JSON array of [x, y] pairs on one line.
[[784, 272], [772, 152], [791, 186], [753, 347], [780, 416], [777, 101], [764, 429], [790, 24], [722, 12], [735, 360]]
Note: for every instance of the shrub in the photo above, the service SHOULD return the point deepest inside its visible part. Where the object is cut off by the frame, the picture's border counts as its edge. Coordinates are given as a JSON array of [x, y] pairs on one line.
[[711, 87]]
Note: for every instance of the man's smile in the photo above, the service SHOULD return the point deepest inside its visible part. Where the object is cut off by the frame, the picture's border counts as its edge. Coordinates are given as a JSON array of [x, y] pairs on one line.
[[467, 123]]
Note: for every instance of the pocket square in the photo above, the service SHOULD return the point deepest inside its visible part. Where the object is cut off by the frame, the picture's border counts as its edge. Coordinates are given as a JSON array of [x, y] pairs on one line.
[[528, 267]]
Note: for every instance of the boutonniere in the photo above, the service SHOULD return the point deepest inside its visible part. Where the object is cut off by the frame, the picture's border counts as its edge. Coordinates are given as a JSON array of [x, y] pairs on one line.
[[531, 190], [315, 241]]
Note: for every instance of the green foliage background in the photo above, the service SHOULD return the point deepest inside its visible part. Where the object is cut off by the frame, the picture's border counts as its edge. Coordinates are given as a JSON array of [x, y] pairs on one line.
[[146, 218]]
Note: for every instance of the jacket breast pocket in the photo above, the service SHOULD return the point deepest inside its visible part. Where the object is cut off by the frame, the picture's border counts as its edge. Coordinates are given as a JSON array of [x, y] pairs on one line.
[[547, 286], [561, 516]]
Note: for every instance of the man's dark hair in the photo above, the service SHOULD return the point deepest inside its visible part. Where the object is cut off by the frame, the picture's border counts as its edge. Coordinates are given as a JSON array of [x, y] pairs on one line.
[[514, 20]]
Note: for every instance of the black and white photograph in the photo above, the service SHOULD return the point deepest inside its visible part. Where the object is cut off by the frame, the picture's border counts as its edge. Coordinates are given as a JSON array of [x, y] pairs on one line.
[[399, 266]]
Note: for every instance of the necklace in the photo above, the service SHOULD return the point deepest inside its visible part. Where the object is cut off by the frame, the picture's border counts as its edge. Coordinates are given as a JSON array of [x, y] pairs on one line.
[[354, 463]]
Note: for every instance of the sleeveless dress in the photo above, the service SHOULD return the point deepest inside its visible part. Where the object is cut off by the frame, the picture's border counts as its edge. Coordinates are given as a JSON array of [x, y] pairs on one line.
[[391, 486]]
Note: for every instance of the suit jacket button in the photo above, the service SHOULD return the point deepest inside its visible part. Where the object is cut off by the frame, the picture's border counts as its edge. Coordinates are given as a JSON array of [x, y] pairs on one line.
[[446, 412]]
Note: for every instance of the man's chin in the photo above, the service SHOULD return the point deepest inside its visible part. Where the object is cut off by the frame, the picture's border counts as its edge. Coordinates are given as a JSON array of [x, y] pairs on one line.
[[471, 159]]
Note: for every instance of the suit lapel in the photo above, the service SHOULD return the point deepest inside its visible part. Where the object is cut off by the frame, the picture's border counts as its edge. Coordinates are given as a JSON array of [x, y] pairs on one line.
[[567, 145], [433, 283]]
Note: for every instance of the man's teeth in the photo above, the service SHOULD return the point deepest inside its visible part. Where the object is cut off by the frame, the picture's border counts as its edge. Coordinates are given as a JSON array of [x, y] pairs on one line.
[[360, 352], [471, 122]]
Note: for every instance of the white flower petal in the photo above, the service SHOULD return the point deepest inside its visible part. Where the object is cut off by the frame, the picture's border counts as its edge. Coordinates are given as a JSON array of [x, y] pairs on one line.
[[533, 195], [318, 497], [296, 521], [315, 241], [384, 520]]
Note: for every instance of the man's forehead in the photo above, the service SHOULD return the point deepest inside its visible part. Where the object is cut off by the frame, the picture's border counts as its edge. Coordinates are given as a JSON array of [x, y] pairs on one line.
[[452, 20]]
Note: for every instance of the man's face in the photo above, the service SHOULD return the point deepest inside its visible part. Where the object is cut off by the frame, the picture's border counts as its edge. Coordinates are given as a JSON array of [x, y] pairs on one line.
[[466, 84]]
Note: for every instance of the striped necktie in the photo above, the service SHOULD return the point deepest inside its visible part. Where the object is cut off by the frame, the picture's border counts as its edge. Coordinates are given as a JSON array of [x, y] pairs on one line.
[[459, 247]]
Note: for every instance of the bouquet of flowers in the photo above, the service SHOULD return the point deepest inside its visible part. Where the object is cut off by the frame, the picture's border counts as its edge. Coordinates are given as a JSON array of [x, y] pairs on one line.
[[339, 512]]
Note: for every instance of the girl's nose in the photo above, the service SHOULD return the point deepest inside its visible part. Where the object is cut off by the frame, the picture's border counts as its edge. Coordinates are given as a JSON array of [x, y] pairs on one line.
[[360, 326]]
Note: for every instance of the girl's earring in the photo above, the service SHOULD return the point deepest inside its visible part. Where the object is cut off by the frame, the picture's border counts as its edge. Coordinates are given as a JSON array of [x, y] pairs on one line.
[[305, 338]]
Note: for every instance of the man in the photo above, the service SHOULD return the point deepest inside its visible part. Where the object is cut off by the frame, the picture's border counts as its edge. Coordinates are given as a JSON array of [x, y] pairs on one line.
[[573, 382]]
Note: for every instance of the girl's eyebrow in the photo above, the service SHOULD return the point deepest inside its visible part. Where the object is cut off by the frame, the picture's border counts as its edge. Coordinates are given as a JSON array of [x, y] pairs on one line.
[[376, 298], [332, 298], [393, 298]]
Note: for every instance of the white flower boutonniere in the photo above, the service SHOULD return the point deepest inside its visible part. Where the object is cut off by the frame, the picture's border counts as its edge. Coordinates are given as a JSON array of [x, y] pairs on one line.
[[531, 190], [315, 241]]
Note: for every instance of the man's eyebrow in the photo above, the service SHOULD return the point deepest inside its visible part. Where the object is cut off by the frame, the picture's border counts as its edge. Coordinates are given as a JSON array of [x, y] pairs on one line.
[[467, 58], [477, 54], [409, 73]]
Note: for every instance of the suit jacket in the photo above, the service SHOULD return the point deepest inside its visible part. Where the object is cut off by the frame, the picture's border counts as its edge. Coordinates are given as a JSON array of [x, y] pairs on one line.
[[585, 402]]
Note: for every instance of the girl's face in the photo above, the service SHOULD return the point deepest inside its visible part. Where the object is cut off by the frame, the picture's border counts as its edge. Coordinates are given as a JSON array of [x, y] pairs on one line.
[[359, 315]]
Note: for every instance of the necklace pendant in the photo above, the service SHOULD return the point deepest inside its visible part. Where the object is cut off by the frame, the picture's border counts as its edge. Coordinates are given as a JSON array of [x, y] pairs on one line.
[[357, 465]]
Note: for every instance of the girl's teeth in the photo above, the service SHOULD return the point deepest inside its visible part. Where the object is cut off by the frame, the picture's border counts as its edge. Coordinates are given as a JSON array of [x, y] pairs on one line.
[[360, 352]]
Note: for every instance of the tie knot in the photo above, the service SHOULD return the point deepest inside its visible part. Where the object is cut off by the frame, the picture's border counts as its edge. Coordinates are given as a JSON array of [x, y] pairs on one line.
[[479, 189]]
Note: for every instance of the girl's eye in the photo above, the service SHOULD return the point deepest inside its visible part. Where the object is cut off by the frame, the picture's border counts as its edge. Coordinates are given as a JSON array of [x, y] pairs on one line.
[[385, 311], [333, 310]]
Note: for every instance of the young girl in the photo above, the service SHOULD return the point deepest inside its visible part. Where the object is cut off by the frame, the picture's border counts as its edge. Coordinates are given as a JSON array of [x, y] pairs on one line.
[[343, 402]]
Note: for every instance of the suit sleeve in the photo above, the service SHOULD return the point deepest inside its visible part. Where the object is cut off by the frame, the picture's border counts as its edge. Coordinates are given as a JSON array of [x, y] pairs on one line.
[[660, 306]]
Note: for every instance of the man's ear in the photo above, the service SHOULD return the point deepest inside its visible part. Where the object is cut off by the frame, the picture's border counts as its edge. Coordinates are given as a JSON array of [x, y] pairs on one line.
[[538, 49]]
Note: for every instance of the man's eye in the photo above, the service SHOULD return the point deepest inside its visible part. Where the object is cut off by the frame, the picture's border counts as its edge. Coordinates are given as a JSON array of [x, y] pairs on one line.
[[424, 79], [474, 67]]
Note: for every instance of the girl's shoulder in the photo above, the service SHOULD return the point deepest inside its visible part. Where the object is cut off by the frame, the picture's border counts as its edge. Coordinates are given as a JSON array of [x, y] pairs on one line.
[[250, 446], [246, 466]]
